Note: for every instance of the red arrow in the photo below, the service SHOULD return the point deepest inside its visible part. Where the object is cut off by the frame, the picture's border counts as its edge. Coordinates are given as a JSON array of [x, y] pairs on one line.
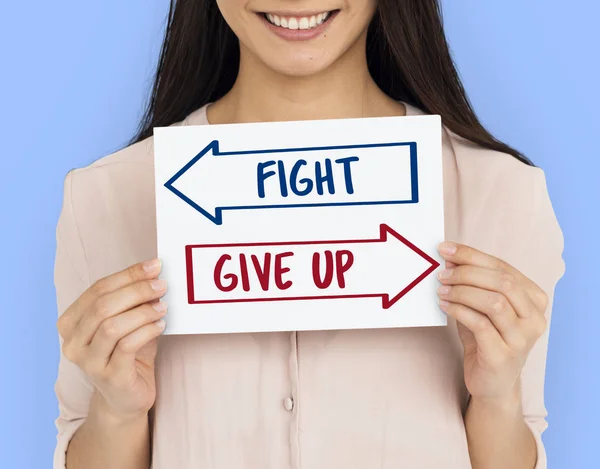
[[201, 288]]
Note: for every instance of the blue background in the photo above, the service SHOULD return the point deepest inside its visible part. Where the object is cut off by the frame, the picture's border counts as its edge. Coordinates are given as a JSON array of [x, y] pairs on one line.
[[75, 75]]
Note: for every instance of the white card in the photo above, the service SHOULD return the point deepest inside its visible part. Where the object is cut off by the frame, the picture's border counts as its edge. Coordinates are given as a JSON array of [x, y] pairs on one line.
[[309, 225]]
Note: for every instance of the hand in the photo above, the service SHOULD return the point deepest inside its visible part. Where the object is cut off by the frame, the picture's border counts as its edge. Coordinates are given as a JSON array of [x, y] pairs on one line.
[[110, 332], [500, 316]]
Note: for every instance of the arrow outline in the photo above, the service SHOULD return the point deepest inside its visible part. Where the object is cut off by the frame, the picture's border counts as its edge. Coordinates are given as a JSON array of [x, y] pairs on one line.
[[217, 218], [384, 231]]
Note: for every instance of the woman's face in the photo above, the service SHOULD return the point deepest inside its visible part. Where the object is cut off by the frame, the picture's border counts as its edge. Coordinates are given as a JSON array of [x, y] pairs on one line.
[[298, 37]]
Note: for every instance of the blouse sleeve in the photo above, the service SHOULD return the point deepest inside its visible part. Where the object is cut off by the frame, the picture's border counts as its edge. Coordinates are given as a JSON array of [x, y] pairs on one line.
[[542, 263], [72, 387]]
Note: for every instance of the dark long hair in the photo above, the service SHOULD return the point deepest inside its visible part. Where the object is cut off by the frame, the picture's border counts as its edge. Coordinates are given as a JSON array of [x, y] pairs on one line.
[[407, 54]]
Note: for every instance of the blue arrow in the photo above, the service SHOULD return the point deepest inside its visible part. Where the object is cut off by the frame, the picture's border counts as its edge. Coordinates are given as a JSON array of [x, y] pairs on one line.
[[213, 147]]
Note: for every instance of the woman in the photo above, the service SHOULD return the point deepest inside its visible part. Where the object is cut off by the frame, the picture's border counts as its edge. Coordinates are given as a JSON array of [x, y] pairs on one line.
[[466, 395]]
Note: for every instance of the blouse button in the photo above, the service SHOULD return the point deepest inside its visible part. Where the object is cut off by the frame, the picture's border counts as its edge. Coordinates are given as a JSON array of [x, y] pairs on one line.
[[288, 403]]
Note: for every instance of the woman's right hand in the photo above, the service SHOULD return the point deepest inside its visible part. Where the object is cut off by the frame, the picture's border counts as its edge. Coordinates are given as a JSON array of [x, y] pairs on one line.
[[110, 332]]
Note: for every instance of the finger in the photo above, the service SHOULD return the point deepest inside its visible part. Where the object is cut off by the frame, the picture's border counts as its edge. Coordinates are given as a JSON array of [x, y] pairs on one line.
[[117, 302], [113, 329], [492, 280], [132, 274], [123, 356], [487, 336], [492, 304], [68, 322], [461, 254]]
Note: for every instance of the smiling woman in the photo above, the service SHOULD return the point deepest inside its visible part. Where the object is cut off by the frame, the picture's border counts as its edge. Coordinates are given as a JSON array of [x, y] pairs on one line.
[[360, 399]]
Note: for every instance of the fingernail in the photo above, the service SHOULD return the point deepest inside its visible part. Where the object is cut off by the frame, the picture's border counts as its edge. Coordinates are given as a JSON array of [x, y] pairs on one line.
[[445, 274], [160, 306], [151, 265], [158, 284], [447, 248], [443, 290], [444, 304], [160, 323]]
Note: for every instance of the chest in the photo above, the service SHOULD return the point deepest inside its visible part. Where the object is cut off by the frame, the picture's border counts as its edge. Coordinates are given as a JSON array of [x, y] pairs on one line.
[[327, 398]]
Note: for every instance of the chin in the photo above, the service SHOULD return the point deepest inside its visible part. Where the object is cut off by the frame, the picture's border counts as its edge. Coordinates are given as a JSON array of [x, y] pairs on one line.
[[298, 64], [295, 42]]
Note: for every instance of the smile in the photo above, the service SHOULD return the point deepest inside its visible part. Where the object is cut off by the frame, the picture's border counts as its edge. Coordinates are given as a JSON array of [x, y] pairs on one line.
[[299, 26], [302, 22]]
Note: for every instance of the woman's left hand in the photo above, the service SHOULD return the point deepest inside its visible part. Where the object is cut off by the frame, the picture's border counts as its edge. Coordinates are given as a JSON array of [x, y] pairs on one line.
[[499, 314]]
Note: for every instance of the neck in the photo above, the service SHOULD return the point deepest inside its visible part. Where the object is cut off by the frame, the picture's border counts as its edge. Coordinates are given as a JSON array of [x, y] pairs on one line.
[[345, 89]]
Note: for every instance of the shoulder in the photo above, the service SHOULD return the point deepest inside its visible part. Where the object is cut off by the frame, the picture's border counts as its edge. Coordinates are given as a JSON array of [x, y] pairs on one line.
[[499, 174], [118, 176], [131, 160], [113, 179], [475, 168], [499, 177], [506, 205], [108, 210], [133, 157], [500, 205]]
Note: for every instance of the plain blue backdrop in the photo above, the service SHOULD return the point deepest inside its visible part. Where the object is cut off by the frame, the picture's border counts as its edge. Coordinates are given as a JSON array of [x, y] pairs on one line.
[[75, 75]]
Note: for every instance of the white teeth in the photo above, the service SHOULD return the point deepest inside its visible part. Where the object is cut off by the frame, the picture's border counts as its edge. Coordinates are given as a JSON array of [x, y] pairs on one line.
[[305, 22]]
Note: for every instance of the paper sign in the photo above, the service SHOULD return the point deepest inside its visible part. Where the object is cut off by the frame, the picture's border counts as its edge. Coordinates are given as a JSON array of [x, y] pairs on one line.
[[306, 225]]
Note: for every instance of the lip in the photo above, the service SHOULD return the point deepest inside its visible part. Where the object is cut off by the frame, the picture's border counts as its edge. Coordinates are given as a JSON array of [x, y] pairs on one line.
[[295, 14], [298, 34]]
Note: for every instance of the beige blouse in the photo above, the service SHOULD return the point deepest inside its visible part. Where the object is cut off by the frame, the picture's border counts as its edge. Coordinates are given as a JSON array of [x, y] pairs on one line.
[[308, 400]]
